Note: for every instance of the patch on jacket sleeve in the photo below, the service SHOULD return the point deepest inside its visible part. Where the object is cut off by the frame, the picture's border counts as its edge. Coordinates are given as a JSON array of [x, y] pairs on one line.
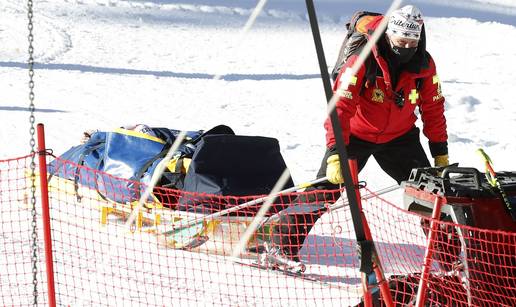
[[414, 95], [345, 93], [435, 80], [346, 81], [348, 78]]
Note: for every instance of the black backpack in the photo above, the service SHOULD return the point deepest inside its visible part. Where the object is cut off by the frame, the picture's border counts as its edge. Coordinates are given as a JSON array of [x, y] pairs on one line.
[[353, 42]]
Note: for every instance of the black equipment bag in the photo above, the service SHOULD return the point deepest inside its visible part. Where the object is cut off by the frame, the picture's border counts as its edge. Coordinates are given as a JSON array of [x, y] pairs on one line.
[[231, 165]]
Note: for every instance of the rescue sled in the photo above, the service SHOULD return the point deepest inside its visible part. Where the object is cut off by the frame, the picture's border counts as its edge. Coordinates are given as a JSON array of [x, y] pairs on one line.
[[211, 171]]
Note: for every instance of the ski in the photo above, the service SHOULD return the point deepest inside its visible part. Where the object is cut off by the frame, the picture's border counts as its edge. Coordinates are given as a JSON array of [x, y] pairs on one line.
[[304, 276], [281, 265], [276, 269], [294, 269]]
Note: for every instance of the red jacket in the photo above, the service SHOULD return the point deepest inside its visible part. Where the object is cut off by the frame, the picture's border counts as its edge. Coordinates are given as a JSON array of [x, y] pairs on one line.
[[373, 116]]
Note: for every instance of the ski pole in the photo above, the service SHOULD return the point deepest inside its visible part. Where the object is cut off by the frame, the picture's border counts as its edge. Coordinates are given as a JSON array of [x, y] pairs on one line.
[[242, 206], [345, 201], [341, 203], [494, 182]]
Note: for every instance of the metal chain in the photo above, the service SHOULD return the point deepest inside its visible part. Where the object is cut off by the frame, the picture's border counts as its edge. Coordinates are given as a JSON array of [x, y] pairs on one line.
[[33, 155]]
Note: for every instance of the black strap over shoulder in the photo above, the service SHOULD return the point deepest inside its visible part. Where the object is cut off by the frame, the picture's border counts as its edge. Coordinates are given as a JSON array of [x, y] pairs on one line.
[[370, 74]]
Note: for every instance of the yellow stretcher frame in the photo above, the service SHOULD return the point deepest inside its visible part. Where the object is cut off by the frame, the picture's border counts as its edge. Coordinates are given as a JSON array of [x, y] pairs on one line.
[[223, 232]]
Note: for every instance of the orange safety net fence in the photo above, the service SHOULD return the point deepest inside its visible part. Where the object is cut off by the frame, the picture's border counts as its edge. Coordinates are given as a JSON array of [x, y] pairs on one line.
[[98, 261]]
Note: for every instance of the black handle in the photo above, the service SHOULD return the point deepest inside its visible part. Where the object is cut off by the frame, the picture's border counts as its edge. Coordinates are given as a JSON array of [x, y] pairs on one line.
[[463, 170]]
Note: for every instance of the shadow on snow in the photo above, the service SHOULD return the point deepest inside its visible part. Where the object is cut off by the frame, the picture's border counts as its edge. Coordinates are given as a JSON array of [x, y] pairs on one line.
[[25, 109], [125, 71]]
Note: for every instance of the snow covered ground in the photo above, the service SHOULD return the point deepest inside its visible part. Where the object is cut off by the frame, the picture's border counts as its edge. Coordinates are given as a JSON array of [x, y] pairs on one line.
[[105, 63]]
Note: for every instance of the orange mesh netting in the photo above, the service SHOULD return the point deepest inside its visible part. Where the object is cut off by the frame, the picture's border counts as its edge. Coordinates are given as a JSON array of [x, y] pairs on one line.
[[98, 261]]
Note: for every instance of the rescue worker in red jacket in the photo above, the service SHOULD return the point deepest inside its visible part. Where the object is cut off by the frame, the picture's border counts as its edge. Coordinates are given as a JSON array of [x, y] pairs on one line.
[[377, 116]]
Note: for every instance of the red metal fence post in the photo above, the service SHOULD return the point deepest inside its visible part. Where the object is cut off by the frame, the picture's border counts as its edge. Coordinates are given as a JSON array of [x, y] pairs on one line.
[[383, 284], [427, 261], [46, 215]]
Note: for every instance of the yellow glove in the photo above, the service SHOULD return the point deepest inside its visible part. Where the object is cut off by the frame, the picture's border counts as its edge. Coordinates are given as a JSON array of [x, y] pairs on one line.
[[333, 172], [172, 165], [441, 161]]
